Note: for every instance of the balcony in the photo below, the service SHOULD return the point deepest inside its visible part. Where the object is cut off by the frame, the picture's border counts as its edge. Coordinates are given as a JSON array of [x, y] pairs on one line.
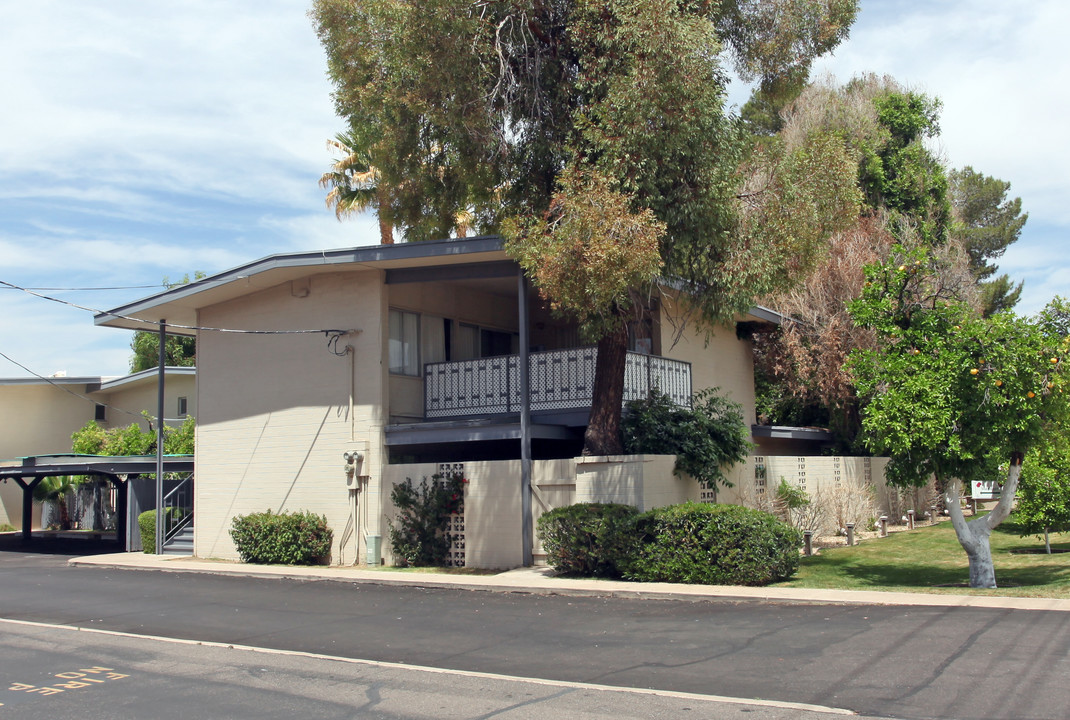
[[559, 381]]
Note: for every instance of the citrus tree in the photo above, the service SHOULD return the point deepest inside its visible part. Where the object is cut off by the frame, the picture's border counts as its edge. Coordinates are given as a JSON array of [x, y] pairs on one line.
[[947, 390]]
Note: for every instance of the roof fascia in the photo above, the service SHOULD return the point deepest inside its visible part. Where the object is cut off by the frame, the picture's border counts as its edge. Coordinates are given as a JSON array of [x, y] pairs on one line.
[[147, 375], [324, 258]]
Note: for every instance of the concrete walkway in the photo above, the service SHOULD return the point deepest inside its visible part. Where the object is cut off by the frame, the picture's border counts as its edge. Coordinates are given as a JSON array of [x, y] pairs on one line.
[[540, 580]]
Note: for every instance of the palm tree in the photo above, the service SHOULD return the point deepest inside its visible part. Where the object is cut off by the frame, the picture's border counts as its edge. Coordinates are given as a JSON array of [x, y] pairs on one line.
[[55, 489], [355, 184]]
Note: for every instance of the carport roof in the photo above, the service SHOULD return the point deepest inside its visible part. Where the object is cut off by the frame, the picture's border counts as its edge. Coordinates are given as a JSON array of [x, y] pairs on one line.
[[71, 464]]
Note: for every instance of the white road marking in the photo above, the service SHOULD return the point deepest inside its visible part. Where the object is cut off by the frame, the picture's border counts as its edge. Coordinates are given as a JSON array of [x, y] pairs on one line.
[[446, 671]]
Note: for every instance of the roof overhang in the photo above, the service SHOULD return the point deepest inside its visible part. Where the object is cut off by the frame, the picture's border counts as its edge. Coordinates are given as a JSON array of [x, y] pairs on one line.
[[146, 377], [178, 306]]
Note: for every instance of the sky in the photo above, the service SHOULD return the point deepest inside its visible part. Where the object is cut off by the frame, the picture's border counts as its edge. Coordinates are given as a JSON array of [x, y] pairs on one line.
[[143, 141]]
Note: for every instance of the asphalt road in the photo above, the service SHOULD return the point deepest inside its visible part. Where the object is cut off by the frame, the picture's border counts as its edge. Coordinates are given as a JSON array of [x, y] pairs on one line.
[[882, 661]]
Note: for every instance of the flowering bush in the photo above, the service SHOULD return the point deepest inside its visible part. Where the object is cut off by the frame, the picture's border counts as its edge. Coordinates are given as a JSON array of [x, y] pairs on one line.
[[420, 534]]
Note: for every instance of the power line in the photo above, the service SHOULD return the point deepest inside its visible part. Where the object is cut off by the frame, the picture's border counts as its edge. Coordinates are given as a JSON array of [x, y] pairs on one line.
[[85, 289], [331, 333]]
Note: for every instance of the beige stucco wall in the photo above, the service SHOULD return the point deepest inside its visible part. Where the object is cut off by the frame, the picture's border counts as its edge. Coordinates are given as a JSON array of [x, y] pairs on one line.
[[276, 411], [725, 362], [141, 396], [448, 300], [461, 303], [491, 510], [493, 501], [36, 419]]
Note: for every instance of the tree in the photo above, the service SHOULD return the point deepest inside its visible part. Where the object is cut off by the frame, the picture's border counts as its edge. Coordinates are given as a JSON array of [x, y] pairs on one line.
[[354, 184], [56, 489], [527, 114], [986, 224], [801, 365], [947, 390], [1044, 496], [179, 350]]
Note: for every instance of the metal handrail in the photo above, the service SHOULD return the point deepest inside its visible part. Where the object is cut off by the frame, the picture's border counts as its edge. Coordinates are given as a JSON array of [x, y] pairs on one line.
[[179, 498]]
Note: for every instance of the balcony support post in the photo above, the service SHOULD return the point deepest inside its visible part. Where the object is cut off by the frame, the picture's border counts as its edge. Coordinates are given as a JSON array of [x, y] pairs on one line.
[[527, 524]]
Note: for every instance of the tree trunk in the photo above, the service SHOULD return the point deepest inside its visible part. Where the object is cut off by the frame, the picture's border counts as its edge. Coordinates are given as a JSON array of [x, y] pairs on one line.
[[386, 227], [64, 516], [603, 428], [974, 535], [386, 232]]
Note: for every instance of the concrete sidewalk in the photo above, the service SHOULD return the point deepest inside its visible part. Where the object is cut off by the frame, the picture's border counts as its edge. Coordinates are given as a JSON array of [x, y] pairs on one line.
[[540, 580]]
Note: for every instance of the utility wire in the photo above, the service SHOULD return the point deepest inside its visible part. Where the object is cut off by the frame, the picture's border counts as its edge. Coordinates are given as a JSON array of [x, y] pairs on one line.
[[64, 388], [83, 289], [331, 333]]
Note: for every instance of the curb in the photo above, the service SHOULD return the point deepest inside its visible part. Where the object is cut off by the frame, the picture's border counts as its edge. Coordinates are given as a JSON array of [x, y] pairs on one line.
[[539, 581]]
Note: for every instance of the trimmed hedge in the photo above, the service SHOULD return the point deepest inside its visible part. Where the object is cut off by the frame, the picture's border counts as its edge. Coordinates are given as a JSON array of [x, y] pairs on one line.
[[713, 545], [146, 523], [267, 538], [588, 539]]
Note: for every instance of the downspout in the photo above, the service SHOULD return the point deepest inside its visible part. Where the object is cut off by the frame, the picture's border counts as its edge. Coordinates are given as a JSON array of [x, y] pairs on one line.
[[527, 532]]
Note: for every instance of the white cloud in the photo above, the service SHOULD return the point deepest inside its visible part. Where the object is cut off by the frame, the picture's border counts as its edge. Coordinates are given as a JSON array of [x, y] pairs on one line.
[[197, 97], [321, 231]]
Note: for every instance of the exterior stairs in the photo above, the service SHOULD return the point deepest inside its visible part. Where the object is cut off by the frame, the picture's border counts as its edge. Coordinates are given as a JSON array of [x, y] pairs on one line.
[[180, 544]]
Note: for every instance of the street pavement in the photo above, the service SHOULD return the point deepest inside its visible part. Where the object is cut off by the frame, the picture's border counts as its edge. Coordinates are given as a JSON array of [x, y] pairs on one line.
[[556, 647]]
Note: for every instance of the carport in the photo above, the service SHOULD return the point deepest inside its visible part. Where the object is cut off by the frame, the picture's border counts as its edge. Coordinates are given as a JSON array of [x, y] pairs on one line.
[[116, 470]]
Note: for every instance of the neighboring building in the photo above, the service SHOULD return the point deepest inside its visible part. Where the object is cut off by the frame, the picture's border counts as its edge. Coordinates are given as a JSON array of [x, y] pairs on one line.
[[414, 363], [40, 415]]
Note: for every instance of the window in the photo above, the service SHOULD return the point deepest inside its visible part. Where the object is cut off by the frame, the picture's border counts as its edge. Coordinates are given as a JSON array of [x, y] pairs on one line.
[[182, 407], [101, 413], [494, 343], [465, 344], [404, 343]]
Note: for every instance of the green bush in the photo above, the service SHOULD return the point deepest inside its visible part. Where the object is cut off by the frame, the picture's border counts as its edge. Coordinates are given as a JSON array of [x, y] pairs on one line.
[[420, 533], [712, 545], [705, 438], [588, 539], [146, 523], [267, 538], [4, 527]]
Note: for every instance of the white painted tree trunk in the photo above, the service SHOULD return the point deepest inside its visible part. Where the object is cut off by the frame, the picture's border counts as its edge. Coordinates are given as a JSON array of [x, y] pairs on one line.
[[974, 535]]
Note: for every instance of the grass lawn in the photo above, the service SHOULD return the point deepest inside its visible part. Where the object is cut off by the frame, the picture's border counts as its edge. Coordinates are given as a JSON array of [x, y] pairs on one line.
[[930, 559]]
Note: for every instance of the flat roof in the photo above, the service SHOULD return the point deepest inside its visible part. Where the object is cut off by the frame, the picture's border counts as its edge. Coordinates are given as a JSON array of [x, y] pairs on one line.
[[73, 464], [97, 383], [146, 376]]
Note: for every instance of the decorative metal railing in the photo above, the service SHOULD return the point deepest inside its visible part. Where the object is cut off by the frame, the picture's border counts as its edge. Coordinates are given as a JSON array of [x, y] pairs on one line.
[[557, 380]]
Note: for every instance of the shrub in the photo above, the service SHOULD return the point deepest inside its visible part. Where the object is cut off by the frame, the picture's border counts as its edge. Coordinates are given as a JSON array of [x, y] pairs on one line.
[[146, 523], [4, 527], [704, 438], [588, 539], [713, 545], [267, 538], [421, 534]]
